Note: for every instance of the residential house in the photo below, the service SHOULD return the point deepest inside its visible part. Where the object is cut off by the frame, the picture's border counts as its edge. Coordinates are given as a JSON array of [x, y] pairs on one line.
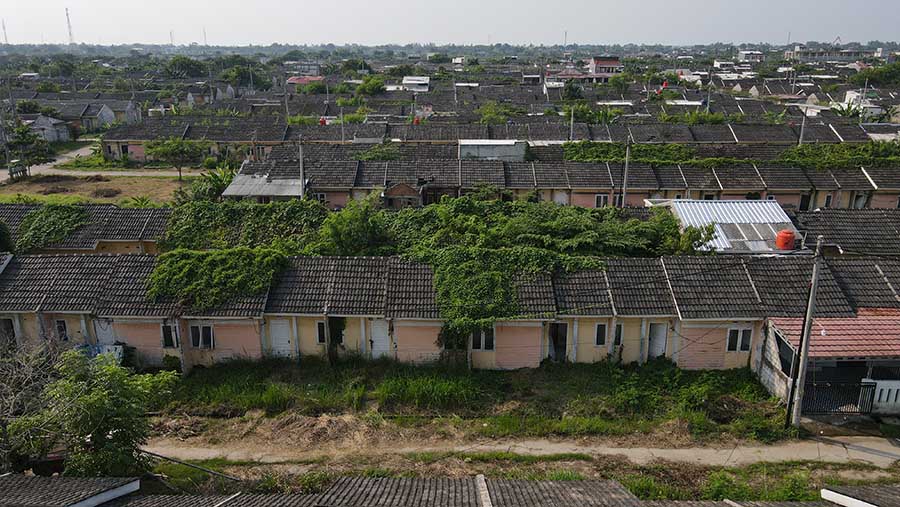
[[52, 130]]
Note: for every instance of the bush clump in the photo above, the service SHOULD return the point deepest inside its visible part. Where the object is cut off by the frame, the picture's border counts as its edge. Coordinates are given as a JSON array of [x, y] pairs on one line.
[[49, 224]]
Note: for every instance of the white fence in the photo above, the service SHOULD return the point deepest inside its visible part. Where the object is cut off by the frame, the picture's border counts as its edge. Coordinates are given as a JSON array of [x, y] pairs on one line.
[[887, 397]]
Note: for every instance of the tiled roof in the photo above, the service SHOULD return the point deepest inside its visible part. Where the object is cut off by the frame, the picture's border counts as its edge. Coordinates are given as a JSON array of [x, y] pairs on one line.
[[867, 282], [872, 333], [410, 291], [712, 287], [869, 231], [886, 495], [105, 222], [54, 283], [523, 493], [35, 491], [783, 285], [418, 492], [583, 293], [639, 287]]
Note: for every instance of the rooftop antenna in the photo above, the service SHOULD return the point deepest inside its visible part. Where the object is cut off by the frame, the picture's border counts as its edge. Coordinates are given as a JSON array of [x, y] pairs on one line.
[[69, 23], [5, 38]]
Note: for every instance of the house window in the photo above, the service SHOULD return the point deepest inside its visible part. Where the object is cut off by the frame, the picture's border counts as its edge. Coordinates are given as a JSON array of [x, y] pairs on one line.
[[202, 337], [770, 197], [828, 198], [320, 196], [62, 332], [739, 340], [7, 329], [678, 196], [617, 340], [600, 336], [169, 340], [320, 332], [619, 203], [483, 339], [601, 200], [709, 197], [898, 202]]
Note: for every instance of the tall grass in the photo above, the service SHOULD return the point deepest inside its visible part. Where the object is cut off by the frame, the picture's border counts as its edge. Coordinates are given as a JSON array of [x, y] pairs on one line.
[[427, 391]]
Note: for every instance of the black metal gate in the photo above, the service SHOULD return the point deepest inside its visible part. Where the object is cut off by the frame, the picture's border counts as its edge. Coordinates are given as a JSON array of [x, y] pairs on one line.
[[838, 398]]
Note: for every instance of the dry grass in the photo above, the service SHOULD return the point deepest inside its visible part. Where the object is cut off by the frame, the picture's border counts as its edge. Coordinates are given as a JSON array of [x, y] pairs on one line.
[[95, 188]]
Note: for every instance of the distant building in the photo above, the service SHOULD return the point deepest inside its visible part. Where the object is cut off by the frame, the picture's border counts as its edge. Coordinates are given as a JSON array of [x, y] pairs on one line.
[[803, 54], [417, 84], [751, 56]]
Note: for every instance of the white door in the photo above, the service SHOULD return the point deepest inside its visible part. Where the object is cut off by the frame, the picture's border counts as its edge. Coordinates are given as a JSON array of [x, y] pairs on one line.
[[381, 343], [658, 340], [280, 338], [106, 335]]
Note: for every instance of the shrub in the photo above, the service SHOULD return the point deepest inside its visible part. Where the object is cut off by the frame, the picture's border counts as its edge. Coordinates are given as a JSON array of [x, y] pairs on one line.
[[49, 224], [721, 485], [428, 391], [210, 163], [203, 280]]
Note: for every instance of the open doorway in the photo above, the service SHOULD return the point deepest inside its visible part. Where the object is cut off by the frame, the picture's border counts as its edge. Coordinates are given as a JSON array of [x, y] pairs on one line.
[[658, 335], [558, 332]]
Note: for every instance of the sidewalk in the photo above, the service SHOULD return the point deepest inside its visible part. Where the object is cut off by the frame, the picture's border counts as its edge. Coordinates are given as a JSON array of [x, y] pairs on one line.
[[881, 452]]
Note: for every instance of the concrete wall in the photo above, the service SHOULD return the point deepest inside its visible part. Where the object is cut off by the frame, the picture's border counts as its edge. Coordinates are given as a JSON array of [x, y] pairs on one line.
[[518, 345], [704, 345], [146, 338], [417, 341], [768, 368]]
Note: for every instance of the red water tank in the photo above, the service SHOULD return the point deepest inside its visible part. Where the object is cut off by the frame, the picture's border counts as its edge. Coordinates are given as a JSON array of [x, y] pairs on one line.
[[785, 239]]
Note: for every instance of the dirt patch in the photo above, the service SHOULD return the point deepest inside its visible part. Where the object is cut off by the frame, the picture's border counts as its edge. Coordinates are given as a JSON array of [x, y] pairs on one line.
[[97, 187], [106, 192]]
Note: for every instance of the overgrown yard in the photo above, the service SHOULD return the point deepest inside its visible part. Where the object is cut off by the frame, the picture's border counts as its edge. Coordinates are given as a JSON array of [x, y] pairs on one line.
[[602, 399], [656, 481], [65, 189]]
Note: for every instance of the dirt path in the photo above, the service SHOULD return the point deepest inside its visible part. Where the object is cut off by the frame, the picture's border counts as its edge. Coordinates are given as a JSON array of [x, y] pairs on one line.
[[876, 451]]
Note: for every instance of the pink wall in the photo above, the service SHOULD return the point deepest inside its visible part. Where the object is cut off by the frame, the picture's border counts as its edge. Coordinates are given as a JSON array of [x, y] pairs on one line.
[[233, 339], [518, 346], [417, 344], [785, 199], [886, 200], [586, 200], [337, 199], [146, 337], [635, 199], [136, 151], [704, 348]]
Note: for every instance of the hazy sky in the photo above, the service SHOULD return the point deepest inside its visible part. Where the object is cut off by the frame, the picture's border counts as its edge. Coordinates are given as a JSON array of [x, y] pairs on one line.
[[262, 22]]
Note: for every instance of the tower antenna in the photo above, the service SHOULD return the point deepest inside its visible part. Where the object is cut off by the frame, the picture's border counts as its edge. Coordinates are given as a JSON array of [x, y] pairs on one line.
[[204, 37], [5, 38], [171, 37], [69, 23]]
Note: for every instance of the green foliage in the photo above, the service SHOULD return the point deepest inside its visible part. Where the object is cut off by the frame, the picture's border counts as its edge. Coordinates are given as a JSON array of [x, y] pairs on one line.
[[242, 75], [843, 155], [208, 186], [182, 66], [585, 114], [572, 91], [315, 88], [204, 280], [698, 117], [378, 152], [177, 152], [619, 83], [97, 410], [47, 87], [302, 120], [49, 224], [360, 228], [885, 75], [27, 146], [371, 85], [287, 225], [6, 241], [587, 151], [33, 107], [496, 113], [431, 392], [350, 101]]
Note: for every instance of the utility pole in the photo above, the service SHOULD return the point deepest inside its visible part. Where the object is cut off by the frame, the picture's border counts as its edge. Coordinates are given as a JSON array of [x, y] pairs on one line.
[[802, 363], [802, 126], [342, 123], [302, 173], [709, 89], [625, 172], [69, 24], [571, 123]]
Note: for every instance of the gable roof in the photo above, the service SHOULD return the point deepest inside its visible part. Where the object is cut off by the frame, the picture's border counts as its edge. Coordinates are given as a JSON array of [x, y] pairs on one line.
[[35, 491]]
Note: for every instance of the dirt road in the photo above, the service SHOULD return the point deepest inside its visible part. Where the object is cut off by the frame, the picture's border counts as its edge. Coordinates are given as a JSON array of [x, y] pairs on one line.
[[880, 452]]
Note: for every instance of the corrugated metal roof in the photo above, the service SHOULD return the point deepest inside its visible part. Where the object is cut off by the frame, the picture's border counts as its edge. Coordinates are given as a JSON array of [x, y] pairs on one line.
[[739, 225]]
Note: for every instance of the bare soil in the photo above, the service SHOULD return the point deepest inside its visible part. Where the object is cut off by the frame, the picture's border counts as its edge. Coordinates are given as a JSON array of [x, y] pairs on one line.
[[98, 188]]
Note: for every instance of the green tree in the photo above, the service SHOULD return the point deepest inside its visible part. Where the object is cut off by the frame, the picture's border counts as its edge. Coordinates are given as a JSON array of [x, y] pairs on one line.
[[315, 88], [177, 152], [97, 409], [371, 85], [33, 107], [247, 75], [181, 66], [572, 91], [47, 87], [358, 229], [27, 146], [619, 83]]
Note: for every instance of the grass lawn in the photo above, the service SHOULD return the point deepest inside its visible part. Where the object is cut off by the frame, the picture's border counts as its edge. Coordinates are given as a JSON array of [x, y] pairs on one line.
[[787, 481], [567, 400], [64, 189], [59, 148]]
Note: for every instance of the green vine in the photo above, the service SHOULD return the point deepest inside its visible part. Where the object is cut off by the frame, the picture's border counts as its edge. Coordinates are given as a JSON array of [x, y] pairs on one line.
[[48, 225], [202, 225], [204, 280], [380, 152]]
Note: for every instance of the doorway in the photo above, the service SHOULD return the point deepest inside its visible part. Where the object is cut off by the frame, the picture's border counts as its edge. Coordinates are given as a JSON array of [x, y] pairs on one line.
[[558, 332], [658, 335]]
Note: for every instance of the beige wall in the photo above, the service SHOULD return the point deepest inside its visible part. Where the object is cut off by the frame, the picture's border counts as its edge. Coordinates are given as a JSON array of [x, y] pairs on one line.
[[146, 338], [586, 349], [518, 345], [704, 346], [417, 341]]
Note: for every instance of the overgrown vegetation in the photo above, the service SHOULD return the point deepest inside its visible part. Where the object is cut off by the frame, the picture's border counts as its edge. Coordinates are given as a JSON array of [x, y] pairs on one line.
[[49, 224], [843, 155], [203, 280], [587, 151], [565, 400], [384, 151], [497, 113]]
